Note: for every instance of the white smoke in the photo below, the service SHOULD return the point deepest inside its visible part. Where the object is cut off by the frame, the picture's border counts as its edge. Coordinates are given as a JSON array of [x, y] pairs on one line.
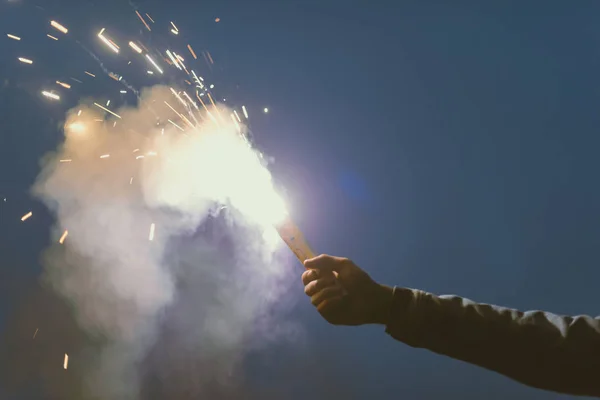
[[108, 183]]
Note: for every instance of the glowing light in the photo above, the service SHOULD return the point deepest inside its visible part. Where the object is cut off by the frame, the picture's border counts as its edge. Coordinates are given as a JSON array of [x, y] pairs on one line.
[[174, 27], [107, 110], [151, 234], [122, 91], [90, 74], [174, 32], [51, 37], [66, 361], [154, 63], [65, 160], [65, 85], [76, 127], [149, 17], [51, 95], [245, 112], [59, 27], [26, 216], [150, 72], [79, 113], [131, 180], [25, 60], [237, 116], [13, 36], [108, 103], [217, 19], [63, 237], [105, 156], [135, 47], [35, 333], [265, 110]]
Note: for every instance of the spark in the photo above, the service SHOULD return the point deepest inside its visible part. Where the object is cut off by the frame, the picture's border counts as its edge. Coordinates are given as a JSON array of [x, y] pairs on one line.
[[107, 110], [66, 362], [79, 113], [131, 180], [65, 85], [179, 57], [192, 52], [108, 103], [59, 27], [26, 216], [13, 36], [162, 131], [177, 96], [151, 153], [245, 112], [143, 21], [151, 235], [63, 237], [239, 129], [109, 43], [173, 59], [35, 333], [105, 156], [150, 72], [149, 17], [139, 157], [51, 37], [90, 74], [136, 150], [153, 63], [122, 91], [266, 110], [25, 60], [191, 101], [76, 80], [237, 116], [212, 86], [135, 47], [65, 160], [177, 126], [209, 57], [174, 27], [51, 95], [174, 32], [217, 19]]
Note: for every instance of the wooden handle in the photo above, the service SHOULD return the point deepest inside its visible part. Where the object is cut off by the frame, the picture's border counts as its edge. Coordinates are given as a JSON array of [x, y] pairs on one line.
[[293, 237]]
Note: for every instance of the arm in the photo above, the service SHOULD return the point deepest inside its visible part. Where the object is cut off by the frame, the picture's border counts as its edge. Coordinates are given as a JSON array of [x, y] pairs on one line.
[[539, 349]]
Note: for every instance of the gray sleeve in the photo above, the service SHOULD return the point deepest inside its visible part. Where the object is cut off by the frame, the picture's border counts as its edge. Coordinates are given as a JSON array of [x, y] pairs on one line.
[[536, 348]]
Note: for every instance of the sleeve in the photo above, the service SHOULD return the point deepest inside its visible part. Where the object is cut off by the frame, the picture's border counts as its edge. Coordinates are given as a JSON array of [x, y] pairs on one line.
[[536, 348]]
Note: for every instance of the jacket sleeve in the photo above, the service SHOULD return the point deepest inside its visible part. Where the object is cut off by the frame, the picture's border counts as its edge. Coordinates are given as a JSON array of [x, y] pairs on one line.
[[536, 348]]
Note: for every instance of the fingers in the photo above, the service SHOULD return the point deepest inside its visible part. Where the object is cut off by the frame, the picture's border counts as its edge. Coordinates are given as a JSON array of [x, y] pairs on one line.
[[313, 287], [328, 263], [327, 294]]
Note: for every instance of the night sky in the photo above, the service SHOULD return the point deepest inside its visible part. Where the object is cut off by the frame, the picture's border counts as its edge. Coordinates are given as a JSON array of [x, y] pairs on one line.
[[446, 147]]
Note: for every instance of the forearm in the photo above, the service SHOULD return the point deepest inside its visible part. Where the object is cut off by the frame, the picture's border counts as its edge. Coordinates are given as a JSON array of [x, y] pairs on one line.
[[539, 349]]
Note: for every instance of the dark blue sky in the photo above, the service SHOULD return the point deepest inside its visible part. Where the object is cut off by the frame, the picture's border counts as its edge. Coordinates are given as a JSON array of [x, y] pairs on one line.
[[450, 148]]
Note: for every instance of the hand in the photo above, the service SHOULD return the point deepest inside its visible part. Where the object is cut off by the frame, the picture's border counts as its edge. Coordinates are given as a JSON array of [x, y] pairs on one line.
[[343, 293]]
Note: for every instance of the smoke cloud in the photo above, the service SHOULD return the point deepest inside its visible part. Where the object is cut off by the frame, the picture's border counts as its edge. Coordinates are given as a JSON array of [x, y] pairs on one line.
[[170, 241]]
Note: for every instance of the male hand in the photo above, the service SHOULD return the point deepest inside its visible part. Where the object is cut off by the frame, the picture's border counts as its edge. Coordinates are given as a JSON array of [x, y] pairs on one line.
[[343, 293]]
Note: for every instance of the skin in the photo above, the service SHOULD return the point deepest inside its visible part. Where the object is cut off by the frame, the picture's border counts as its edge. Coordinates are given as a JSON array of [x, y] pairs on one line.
[[344, 294]]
